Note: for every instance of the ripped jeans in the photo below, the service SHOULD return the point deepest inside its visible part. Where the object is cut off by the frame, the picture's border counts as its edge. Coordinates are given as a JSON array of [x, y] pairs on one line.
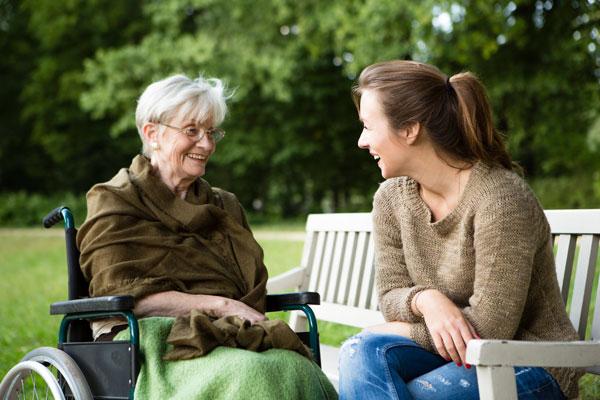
[[385, 366]]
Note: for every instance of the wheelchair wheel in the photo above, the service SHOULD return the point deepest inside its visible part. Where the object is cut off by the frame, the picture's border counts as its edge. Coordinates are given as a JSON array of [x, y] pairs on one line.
[[45, 373]]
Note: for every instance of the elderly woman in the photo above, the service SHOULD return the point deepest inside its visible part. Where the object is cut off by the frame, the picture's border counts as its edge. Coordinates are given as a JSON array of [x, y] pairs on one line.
[[184, 250]]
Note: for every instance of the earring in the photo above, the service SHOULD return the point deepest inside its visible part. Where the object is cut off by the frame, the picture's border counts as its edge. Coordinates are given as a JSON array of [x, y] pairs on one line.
[[154, 145]]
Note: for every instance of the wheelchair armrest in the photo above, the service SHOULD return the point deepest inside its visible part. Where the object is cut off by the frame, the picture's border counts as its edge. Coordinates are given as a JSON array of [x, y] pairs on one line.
[[276, 302], [93, 304]]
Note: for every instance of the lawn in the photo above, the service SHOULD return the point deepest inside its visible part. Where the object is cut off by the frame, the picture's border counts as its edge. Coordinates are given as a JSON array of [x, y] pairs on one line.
[[33, 267]]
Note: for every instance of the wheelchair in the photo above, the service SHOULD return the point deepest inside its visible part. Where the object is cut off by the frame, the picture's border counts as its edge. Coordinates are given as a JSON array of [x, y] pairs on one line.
[[80, 368]]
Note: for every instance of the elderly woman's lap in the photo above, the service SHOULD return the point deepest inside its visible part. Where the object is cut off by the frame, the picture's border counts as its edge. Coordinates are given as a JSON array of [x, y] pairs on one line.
[[226, 373]]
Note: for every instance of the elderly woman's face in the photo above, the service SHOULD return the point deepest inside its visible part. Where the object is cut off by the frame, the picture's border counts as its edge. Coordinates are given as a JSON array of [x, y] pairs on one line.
[[179, 156]]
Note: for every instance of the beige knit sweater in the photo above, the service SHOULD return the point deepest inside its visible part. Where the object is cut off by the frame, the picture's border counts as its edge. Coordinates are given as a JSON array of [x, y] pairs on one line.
[[492, 255]]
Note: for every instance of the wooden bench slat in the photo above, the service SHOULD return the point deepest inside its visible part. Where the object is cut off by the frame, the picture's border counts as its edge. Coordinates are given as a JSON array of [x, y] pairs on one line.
[[347, 315], [579, 222], [310, 245], [341, 222], [595, 333], [582, 289], [564, 262], [336, 267], [326, 264], [315, 263], [368, 279], [349, 254], [357, 269]]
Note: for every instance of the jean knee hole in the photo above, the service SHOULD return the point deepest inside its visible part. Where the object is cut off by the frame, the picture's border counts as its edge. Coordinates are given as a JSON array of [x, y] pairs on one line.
[[349, 346]]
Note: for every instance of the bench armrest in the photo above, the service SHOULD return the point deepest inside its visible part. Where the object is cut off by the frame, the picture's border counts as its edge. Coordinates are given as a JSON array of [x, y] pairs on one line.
[[291, 279], [93, 304], [496, 359], [537, 354], [276, 302]]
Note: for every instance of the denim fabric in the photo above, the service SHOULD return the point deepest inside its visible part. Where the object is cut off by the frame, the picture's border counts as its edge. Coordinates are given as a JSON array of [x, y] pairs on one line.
[[384, 366]]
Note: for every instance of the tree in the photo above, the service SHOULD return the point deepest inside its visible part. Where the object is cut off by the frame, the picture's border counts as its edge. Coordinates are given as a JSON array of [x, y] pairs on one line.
[[63, 148], [292, 130], [540, 61], [77, 72]]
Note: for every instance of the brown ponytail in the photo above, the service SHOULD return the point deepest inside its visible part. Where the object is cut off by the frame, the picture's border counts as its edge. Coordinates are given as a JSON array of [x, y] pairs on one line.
[[455, 112]]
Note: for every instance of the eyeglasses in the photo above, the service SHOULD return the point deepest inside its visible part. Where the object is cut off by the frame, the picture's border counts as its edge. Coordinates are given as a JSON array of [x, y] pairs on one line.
[[214, 134]]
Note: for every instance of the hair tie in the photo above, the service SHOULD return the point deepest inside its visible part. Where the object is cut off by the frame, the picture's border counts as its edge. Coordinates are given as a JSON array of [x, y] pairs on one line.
[[449, 87]]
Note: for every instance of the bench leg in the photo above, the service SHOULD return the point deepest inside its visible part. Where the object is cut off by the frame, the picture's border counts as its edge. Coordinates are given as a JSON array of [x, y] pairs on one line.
[[496, 383]]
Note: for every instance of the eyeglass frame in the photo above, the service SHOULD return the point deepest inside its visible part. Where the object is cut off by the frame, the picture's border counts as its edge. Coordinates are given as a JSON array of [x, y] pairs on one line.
[[200, 135]]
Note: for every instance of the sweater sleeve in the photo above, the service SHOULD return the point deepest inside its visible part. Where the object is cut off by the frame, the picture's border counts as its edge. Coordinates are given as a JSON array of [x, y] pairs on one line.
[[507, 234], [394, 284]]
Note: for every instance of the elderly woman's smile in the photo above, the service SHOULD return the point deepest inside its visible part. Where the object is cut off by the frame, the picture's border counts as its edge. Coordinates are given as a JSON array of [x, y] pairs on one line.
[[180, 152], [198, 157]]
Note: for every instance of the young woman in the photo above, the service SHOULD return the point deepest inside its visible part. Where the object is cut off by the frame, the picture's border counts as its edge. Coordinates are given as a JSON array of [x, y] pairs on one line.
[[463, 249]]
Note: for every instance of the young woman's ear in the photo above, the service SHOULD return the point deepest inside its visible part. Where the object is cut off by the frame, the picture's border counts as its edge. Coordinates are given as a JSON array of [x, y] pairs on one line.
[[412, 132]]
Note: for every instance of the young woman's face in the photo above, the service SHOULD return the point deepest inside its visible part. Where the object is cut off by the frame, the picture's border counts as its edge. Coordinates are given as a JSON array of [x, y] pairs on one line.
[[382, 142]]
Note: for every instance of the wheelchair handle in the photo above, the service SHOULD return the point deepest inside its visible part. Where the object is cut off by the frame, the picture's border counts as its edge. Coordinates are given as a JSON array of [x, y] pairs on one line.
[[57, 215]]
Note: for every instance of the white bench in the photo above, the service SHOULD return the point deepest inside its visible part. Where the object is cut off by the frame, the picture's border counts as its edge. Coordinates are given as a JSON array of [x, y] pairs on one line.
[[337, 262]]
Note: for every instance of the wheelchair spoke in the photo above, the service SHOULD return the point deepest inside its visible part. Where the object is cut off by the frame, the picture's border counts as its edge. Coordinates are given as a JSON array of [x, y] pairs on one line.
[[34, 388], [23, 388], [47, 373], [34, 383]]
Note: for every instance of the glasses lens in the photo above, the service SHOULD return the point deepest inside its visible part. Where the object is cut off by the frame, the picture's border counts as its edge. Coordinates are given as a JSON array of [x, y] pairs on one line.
[[191, 132], [217, 134]]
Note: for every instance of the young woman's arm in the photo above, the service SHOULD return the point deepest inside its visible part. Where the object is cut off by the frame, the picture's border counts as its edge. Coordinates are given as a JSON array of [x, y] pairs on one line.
[[506, 239], [394, 284]]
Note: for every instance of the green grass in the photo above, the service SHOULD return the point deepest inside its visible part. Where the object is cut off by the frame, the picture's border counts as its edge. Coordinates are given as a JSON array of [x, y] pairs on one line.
[[33, 268], [297, 226], [33, 271]]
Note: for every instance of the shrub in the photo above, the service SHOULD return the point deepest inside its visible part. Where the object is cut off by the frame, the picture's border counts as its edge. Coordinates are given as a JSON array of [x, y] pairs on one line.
[[25, 209]]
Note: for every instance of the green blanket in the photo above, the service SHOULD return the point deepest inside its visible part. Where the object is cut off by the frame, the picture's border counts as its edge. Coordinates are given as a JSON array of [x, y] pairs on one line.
[[225, 373]]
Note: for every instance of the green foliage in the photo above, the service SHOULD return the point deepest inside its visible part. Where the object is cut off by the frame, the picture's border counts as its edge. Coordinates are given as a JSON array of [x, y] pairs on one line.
[[24, 209], [574, 191], [54, 143], [74, 70]]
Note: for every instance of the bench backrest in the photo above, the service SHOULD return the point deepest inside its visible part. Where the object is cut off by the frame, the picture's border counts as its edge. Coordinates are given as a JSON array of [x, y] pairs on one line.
[[338, 256], [578, 231]]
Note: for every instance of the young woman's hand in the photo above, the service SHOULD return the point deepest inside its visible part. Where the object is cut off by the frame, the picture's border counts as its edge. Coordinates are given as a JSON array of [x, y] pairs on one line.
[[448, 327]]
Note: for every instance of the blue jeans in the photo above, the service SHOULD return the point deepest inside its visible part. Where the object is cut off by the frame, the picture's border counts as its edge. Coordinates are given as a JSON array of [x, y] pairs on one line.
[[384, 366]]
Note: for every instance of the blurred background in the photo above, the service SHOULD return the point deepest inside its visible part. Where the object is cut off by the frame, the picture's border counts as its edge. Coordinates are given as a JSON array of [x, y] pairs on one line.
[[71, 72]]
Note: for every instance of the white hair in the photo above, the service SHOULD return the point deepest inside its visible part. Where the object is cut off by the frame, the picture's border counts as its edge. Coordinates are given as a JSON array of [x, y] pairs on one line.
[[202, 100]]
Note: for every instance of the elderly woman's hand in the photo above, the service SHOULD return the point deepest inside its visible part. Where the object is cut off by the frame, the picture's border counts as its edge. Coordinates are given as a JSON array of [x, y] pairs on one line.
[[175, 304], [239, 309]]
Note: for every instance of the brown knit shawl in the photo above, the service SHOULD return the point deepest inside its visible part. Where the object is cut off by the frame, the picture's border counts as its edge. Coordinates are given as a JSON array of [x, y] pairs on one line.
[[139, 238]]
